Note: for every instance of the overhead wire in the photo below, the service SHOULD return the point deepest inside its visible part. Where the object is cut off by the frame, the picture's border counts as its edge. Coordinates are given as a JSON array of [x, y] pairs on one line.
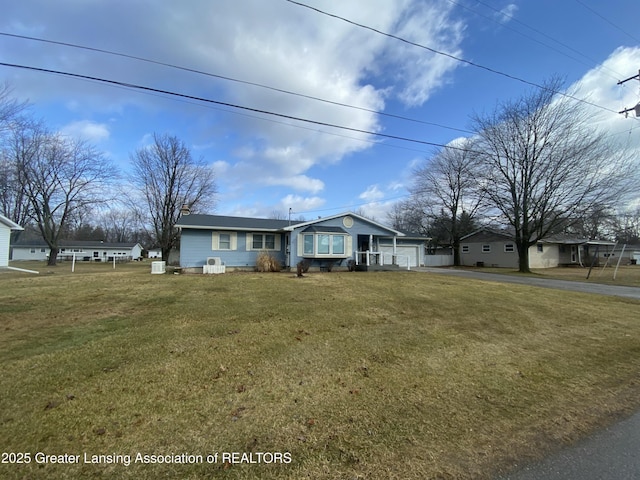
[[451, 56], [511, 18], [607, 20], [231, 79], [228, 104]]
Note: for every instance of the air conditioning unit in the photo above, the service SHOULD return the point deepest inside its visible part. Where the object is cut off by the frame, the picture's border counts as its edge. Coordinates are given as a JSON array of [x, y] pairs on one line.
[[214, 261], [158, 267], [213, 265]]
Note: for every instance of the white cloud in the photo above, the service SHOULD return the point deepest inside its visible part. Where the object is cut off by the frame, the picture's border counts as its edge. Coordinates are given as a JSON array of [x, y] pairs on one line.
[[86, 130], [299, 204], [507, 13], [279, 44], [598, 87], [371, 194]]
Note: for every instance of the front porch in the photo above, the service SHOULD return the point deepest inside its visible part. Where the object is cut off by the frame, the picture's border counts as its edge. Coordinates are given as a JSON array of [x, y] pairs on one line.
[[372, 260]]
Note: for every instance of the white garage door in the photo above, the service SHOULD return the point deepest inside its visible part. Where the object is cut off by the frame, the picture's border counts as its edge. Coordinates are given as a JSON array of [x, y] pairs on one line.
[[405, 253]]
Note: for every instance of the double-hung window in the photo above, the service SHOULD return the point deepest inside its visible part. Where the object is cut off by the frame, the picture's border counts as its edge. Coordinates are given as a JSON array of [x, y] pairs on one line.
[[224, 241]]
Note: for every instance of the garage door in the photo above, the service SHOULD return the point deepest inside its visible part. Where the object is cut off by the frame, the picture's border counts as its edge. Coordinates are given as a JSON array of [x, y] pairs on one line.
[[405, 253]]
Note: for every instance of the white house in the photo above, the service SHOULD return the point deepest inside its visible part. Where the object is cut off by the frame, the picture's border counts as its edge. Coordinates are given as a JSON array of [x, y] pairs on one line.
[[86, 250], [6, 226]]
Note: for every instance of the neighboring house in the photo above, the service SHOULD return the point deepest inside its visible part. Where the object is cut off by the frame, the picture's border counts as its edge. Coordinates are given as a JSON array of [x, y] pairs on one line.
[[627, 254], [236, 242], [154, 253], [86, 250], [6, 226], [489, 248]]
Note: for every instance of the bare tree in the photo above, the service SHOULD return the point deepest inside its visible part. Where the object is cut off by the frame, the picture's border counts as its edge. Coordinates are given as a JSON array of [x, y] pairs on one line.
[[10, 109], [627, 226], [167, 177], [118, 224], [59, 177], [543, 165], [13, 203], [408, 215], [446, 189]]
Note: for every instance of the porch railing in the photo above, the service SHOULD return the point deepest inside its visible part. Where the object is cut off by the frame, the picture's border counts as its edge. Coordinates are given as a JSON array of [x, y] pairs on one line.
[[378, 258]]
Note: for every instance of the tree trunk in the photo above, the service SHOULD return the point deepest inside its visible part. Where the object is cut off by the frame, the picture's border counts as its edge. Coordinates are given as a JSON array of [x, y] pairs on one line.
[[456, 254], [53, 256], [523, 258]]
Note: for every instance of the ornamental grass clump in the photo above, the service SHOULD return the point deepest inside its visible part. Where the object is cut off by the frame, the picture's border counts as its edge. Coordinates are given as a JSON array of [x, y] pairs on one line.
[[266, 262]]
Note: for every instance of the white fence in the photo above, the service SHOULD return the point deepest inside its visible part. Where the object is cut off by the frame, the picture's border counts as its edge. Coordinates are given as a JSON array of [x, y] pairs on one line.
[[438, 260]]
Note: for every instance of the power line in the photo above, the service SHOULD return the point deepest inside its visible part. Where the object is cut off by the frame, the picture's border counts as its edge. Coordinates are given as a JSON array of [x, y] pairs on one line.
[[608, 21], [227, 104], [453, 57], [230, 79], [514, 19]]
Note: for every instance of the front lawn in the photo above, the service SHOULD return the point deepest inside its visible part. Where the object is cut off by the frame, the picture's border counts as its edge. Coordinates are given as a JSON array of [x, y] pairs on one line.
[[335, 375]]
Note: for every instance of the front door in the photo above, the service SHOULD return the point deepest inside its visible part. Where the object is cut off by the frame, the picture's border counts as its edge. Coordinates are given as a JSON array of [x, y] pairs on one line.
[[363, 246]]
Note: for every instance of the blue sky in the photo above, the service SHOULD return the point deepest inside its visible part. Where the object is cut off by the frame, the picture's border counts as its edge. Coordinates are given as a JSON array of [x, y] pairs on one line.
[[267, 164]]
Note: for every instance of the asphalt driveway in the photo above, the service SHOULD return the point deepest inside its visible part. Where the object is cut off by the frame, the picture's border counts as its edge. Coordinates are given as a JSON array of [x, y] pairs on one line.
[[613, 453], [595, 288]]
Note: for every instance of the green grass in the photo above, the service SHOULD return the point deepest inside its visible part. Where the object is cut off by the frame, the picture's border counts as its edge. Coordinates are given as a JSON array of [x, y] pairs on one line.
[[356, 375]]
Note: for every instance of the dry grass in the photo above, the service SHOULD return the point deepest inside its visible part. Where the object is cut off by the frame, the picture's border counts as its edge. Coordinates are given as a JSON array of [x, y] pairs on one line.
[[357, 375], [266, 262]]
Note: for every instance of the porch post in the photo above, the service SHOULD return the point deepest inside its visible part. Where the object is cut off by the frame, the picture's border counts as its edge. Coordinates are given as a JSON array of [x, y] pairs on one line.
[[395, 251], [370, 247]]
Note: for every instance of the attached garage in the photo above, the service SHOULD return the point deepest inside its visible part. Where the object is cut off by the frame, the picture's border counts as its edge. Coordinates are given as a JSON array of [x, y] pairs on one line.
[[410, 253]]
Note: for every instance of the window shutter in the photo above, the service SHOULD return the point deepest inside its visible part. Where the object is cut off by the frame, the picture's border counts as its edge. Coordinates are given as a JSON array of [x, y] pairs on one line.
[[234, 240], [349, 245], [300, 245], [278, 244], [215, 241]]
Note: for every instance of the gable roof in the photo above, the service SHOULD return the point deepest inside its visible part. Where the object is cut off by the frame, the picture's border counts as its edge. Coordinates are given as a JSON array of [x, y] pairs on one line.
[[38, 242], [223, 222], [486, 235], [344, 214], [489, 235], [10, 223]]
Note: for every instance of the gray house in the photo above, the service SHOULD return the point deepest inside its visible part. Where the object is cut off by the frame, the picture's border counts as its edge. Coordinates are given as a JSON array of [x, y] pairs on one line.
[[489, 248], [236, 242]]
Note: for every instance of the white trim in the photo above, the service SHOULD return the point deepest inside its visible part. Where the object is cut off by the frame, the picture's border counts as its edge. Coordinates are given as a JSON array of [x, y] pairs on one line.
[[215, 241], [347, 245], [351, 214]]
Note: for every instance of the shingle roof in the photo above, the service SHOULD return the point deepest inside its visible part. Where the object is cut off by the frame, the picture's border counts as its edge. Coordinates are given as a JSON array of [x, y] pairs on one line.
[[224, 222], [74, 243]]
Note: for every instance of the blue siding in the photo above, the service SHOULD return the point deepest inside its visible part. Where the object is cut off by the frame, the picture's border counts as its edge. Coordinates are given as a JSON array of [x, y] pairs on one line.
[[196, 246], [359, 227]]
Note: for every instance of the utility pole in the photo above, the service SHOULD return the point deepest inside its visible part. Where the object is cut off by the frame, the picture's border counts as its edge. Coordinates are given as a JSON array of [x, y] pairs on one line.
[[637, 107]]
